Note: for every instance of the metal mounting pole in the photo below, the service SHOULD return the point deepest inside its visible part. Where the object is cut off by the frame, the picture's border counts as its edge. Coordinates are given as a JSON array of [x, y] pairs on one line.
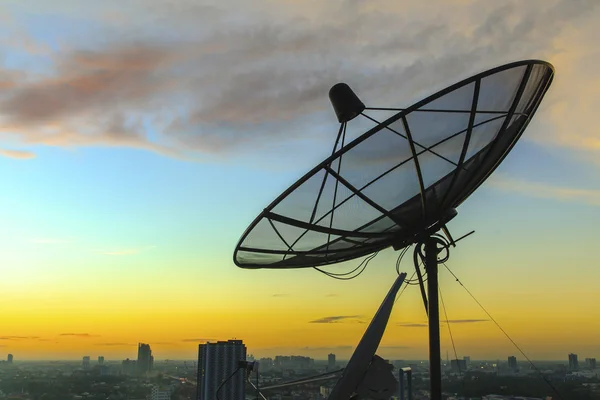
[[435, 365]]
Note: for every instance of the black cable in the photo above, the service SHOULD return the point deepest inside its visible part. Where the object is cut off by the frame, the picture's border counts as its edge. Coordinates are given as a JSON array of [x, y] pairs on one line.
[[460, 373], [506, 334], [404, 288], [449, 329], [343, 276], [225, 381]]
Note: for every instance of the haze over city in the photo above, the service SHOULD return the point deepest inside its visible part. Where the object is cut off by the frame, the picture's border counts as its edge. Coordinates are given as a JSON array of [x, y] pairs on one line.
[[140, 138]]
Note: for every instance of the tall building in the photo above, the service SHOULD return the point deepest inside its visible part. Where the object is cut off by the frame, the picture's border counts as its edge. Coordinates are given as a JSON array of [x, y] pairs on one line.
[[590, 363], [331, 361], [145, 360], [458, 366], [100, 360], [467, 361], [573, 363], [9, 359], [86, 362], [265, 364], [128, 367], [512, 363], [218, 362]]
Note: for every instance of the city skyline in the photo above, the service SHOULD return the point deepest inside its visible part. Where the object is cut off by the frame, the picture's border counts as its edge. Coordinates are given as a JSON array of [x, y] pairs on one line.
[[133, 156]]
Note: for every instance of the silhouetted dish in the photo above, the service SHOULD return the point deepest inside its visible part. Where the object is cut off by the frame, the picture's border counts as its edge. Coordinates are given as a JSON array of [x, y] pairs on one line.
[[401, 177]]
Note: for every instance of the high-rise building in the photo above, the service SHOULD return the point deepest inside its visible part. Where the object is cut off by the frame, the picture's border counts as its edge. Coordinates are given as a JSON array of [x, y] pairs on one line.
[[128, 367], [265, 364], [145, 360], [573, 363], [458, 366], [9, 359], [100, 360], [218, 362], [512, 363], [467, 361], [331, 361], [590, 363], [86, 362]]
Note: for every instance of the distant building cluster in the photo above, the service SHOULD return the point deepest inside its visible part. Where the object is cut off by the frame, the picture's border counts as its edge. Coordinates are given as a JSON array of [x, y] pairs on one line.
[[294, 362]]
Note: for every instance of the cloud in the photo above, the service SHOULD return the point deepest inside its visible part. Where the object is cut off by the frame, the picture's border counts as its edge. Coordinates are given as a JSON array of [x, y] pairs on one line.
[[259, 73], [542, 190], [18, 337], [333, 319], [452, 321], [79, 335], [332, 348], [123, 252], [18, 154], [413, 325], [465, 321], [281, 295], [201, 340], [116, 344]]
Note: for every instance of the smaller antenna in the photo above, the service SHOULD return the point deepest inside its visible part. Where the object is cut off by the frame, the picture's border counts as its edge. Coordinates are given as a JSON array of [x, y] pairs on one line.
[[345, 102]]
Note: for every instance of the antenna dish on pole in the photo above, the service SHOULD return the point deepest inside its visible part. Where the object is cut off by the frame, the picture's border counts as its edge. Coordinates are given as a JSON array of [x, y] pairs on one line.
[[397, 185]]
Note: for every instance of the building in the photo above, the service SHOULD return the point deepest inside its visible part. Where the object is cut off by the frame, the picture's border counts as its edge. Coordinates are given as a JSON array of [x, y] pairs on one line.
[[9, 359], [100, 360], [128, 367], [219, 363], [458, 366], [512, 363], [467, 361], [160, 393], [294, 362], [573, 363], [331, 362], [265, 364], [145, 360], [590, 363], [325, 391], [86, 362]]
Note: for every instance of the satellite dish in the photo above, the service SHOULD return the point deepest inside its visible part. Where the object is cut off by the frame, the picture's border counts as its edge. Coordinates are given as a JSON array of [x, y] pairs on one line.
[[399, 182]]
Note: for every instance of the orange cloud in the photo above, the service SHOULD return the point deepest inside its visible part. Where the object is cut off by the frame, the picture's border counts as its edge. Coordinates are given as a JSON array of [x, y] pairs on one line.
[[18, 154]]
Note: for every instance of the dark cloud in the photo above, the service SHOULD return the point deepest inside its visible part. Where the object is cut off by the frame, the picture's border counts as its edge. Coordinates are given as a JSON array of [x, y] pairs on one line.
[[413, 325], [114, 344], [398, 347], [79, 335], [465, 321], [452, 321], [333, 319], [18, 337], [332, 348]]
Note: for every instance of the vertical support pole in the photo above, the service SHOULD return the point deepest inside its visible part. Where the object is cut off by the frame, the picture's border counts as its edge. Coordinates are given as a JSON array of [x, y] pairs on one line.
[[435, 366]]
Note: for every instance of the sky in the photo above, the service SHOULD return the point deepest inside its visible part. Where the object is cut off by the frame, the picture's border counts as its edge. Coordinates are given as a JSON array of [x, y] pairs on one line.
[[139, 139]]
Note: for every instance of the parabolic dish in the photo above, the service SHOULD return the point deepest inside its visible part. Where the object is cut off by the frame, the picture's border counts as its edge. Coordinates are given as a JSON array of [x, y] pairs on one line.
[[400, 177]]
